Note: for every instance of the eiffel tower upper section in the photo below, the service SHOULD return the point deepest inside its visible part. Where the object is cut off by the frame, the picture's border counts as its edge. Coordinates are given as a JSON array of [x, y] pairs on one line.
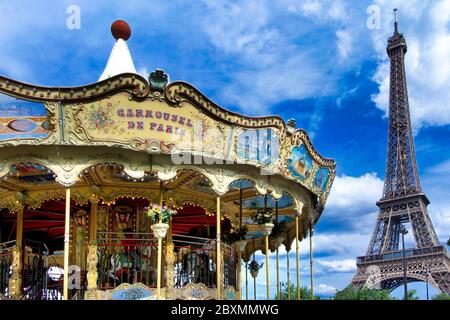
[[402, 177]]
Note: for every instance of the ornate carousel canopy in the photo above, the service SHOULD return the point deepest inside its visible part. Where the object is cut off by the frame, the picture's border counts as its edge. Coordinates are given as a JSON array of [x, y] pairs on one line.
[[124, 138]]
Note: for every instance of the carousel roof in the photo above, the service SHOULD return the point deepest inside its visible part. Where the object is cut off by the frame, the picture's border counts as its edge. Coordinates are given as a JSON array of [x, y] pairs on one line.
[[116, 138], [120, 60]]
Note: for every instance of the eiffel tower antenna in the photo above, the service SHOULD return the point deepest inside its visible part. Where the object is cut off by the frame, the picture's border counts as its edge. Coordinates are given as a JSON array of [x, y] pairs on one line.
[[395, 21], [403, 200]]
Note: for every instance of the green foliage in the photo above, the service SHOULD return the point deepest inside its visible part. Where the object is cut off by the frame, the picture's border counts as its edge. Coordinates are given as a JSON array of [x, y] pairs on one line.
[[412, 295], [305, 293], [448, 242], [441, 296], [154, 212], [362, 293], [263, 215]]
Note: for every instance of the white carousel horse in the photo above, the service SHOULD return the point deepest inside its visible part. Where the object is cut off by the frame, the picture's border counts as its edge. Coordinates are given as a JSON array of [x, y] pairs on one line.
[[134, 263]]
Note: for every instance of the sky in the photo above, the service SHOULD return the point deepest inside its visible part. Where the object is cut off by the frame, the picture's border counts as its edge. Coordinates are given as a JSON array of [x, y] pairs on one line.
[[321, 62]]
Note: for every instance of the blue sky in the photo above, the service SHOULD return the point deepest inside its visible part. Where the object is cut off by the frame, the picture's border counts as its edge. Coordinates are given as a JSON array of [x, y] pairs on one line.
[[316, 61]]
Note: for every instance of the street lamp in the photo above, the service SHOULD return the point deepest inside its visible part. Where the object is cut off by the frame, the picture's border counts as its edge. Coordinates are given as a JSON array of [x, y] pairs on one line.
[[403, 231]]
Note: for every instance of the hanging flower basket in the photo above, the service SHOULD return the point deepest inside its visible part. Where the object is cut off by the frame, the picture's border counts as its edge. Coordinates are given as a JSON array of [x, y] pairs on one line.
[[254, 268], [155, 212], [263, 215], [160, 229], [268, 228]]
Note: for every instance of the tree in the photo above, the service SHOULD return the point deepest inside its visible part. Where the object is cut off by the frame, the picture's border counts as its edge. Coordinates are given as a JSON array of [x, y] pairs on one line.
[[362, 293], [448, 242], [305, 293], [412, 295], [441, 296]]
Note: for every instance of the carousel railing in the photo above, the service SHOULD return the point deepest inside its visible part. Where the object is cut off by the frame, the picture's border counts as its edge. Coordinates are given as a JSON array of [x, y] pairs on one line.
[[126, 258], [230, 266], [6, 258], [132, 258], [54, 287], [35, 271], [195, 261]]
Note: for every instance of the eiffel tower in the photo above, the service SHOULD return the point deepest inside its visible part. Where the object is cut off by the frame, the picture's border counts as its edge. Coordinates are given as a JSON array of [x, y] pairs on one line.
[[402, 202]]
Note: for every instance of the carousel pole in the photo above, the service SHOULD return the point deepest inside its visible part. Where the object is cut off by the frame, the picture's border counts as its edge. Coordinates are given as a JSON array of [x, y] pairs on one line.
[[288, 275], [19, 227], [66, 246], [246, 281], [311, 232], [218, 257], [158, 280], [277, 256], [267, 254], [254, 278], [297, 257], [169, 263], [267, 268], [239, 271]]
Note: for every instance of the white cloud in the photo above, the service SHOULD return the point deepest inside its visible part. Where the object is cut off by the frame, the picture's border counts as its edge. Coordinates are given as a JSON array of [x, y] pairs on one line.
[[278, 66], [425, 26], [339, 266], [325, 289], [344, 43], [354, 195], [321, 11]]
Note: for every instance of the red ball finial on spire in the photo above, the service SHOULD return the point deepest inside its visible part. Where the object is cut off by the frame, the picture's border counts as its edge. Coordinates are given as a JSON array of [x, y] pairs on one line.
[[121, 30]]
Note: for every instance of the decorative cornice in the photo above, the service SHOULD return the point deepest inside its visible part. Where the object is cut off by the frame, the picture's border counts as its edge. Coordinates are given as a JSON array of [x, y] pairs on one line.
[[134, 84]]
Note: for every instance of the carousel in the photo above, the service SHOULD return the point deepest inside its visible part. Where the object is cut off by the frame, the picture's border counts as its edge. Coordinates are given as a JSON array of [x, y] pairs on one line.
[[134, 188]]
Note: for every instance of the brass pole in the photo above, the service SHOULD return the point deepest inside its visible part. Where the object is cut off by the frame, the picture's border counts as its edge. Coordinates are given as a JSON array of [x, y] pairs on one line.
[[158, 280], [288, 276], [19, 227], [246, 281], [218, 258], [169, 263], [66, 246], [239, 274], [311, 232], [277, 255], [267, 268], [160, 197], [254, 278], [93, 218], [267, 256], [297, 257], [239, 267]]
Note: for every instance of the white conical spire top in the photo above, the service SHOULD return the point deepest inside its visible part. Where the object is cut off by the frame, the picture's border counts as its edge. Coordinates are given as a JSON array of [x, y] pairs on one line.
[[120, 60]]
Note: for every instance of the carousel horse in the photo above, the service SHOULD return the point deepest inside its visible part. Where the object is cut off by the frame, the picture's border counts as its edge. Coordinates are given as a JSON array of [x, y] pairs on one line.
[[196, 266], [120, 264], [134, 264]]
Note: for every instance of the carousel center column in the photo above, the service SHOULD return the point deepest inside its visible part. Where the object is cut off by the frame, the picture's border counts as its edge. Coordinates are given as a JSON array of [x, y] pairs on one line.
[[170, 259], [219, 253], [66, 246]]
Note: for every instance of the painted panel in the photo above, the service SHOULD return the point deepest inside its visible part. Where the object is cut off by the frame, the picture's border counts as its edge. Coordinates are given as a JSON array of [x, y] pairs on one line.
[[300, 163], [21, 119], [321, 179]]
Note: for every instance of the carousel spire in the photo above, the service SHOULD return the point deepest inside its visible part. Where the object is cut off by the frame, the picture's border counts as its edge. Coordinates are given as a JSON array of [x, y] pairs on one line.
[[120, 60]]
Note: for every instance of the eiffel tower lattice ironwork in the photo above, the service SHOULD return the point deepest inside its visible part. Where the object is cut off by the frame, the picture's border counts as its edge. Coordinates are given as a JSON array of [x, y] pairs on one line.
[[403, 201]]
